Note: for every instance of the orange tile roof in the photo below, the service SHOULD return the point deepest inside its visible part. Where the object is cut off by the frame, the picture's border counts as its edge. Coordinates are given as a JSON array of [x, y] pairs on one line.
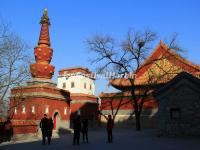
[[159, 50]]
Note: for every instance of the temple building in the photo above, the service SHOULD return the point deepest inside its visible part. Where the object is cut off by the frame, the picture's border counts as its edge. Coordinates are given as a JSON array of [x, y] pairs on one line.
[[80, 82], [179, 106], [76, 80], [158, 69], [74, 92], [41, 96]]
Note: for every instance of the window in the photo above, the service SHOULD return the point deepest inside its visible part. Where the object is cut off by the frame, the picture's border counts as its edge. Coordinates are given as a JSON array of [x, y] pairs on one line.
[[33, 109], [46, 109], [90, 86], [72, 85], [175, 113], [15, 110], [23, 109], [64, 85], [65, 111], [85, 86]]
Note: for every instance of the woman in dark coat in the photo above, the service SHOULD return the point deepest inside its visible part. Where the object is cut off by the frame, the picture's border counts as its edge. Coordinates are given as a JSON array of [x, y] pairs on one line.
[[50, 128], [77, 130], [85, 130], [110, 124]]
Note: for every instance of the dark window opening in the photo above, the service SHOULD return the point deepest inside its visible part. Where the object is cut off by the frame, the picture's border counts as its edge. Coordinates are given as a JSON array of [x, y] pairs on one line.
[[175, 113], [84, 85], [64, 85], [72, 85]]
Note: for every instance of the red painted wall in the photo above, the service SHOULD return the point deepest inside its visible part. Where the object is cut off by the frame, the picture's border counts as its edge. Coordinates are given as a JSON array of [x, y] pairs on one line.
[[24, 129], [124, 103], [40, 104]]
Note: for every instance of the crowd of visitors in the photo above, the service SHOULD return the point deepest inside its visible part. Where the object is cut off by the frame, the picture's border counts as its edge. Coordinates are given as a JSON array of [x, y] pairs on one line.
[[47, 125]]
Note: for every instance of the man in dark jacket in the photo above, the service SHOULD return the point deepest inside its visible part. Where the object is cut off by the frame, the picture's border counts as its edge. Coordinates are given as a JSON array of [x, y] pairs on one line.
[[50, 128], [85, 130], [110, 125], [44, 127], [77, 130]]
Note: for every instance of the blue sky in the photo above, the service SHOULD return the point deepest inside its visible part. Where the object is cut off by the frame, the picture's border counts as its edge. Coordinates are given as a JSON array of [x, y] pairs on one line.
[[73, 21]]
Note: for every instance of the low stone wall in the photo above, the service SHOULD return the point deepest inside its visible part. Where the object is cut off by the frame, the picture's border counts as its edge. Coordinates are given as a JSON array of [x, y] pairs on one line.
[[27, 136]]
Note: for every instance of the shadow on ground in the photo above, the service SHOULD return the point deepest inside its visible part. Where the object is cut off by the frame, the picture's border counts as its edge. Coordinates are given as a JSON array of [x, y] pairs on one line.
[[127, 139]]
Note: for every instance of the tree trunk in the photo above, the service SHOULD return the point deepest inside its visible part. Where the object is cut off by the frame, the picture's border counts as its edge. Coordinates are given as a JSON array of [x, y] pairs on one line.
[[137, 121]]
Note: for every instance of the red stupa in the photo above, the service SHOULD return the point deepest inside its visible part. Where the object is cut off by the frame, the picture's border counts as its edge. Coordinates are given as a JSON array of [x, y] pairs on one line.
[[40, 96], [43, 53]]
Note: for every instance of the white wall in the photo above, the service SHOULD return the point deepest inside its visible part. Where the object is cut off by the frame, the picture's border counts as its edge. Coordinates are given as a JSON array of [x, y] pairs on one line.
[[79, 81]]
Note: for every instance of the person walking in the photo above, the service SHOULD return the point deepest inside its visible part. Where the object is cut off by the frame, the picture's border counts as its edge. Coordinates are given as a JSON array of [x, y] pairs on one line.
[[8, 129], [50, 128], [85, 130], [44, 128], [77, 130], [110, 125]]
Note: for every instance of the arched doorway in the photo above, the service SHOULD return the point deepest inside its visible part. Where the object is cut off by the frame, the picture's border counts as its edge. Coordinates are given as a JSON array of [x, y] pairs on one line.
[[56, 120]]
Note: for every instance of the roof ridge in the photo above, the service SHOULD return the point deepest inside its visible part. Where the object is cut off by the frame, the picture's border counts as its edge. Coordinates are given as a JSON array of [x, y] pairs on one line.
[[75, 67], [184, 60], [183, 75], [170, 51]]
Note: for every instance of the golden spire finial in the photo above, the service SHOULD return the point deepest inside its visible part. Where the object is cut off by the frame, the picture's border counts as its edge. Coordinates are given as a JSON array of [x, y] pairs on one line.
[[45, 10], [44, 38], [45, 18]]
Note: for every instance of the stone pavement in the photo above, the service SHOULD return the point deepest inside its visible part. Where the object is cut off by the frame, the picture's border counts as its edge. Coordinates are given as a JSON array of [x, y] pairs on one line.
[[123, 140]]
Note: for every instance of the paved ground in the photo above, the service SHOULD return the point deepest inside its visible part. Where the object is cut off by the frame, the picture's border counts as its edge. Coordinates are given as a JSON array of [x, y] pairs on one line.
[[123, 140]]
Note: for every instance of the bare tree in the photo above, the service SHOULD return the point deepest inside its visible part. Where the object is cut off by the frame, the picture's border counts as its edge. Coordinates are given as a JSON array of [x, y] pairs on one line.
[[113, 105], [14, 62], [127, 57]]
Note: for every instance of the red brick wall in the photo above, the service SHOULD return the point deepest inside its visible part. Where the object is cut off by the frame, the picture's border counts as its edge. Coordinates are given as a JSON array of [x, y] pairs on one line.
[[88, 110], [124, 103], [24, 129], [40, 104], [87, 104]]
